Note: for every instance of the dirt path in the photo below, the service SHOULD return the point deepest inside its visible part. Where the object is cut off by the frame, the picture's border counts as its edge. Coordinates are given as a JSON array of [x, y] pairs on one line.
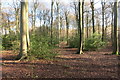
[[94, 64]]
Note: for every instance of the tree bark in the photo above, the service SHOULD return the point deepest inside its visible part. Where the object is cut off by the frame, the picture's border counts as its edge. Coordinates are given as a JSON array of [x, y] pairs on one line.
[[92, 7], [112, 22], [87, 30], [80, 27], [58, 11], [23, 30], [116, 43], [27, 35], [103, 4], [52, 10]]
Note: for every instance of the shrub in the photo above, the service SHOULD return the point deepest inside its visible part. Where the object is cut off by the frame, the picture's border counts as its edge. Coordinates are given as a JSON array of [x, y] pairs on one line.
[[74, 41], [94, 42], [41, 48], [10, 42]]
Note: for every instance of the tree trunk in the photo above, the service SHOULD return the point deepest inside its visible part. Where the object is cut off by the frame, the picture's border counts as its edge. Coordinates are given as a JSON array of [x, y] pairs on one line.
[[67, 25], [17, 21], [58, 11], [103, 4], [27, 27], [87, 25], [83, 35], [80, 27], [76, 15], [116, 43], [112, 27], [52, 10], [23, 30], [92, 7]]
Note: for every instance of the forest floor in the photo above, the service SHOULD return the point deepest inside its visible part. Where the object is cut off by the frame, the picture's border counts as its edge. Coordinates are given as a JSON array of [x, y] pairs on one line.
[[91, 64]]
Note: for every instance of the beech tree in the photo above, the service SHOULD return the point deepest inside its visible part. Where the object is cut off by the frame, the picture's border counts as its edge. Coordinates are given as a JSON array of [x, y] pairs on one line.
[[80, 25], [23, 29], [103, 10], [52, 12], [116, 43], [58, 19], [92, 7], [67, 24], [112, 22]]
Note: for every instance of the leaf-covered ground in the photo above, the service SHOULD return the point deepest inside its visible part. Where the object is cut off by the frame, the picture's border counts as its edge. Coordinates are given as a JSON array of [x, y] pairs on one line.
[[91, 64]]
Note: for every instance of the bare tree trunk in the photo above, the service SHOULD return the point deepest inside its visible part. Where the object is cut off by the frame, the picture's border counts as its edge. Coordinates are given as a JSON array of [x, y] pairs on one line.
[[98, 28], [112, 27], [52, 10], [17, 21], [83, 35], [27, 27], [67, 25], [106, 28], [60, 26], [76, 15], [87, 31], [58, 11], [92, 7], [103, 4], [116, 43], [80, 27], [23, 30]]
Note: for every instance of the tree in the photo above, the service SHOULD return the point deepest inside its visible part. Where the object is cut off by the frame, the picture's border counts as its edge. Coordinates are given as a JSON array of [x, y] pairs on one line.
[[58, 12], [52, 10], [16, 9], [112, 22], [27, 28], [76, 14], [103, 10], [80, 24], [116, 43], [87, 22], [83, 35], [34, 9], [92, 7], [23, 30], [98, 21], [67, 24]]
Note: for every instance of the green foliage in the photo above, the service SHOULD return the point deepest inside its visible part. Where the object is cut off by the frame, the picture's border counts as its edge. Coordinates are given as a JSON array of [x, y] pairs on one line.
[[74, 41], [41, 48], [94, 42], [44, 32], [10, 42]]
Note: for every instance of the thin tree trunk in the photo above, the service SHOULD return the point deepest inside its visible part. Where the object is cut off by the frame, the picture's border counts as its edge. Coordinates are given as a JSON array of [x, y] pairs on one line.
[[76, 14], [17, 21], [103, 4], [58, 11], [98, 28], [106, 29], [83, 35], [52, 10], [87, 25], [112, 27], [67, 26]]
